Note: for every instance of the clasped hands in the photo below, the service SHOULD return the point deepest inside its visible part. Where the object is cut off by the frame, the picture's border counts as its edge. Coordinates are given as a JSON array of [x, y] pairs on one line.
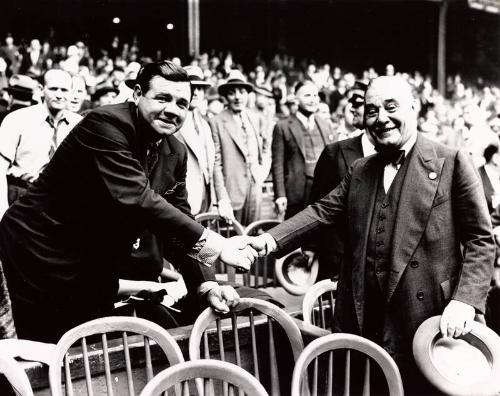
[[242, 251]]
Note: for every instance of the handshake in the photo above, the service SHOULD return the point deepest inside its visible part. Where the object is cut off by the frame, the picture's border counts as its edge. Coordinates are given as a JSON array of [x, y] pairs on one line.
[[241, 251]]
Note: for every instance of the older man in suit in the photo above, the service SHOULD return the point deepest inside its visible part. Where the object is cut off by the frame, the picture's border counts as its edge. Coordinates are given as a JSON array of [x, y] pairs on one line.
[[242, 153], [419, 239], [297, 144], [332, 166], [62, 243], [197, 137]]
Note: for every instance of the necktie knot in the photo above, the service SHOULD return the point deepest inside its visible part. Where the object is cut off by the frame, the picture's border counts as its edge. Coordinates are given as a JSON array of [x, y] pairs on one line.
[[395, 158]]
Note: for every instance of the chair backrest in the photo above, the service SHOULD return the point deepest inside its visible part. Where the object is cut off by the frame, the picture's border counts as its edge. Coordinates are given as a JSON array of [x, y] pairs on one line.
[[261, 351], [347, 342], [136, 335], [206, 369], [318, 304], [15, 375], [214, 222], [262, 272]]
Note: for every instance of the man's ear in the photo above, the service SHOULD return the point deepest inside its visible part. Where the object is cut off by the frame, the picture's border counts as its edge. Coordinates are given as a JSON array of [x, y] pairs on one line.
[[137, 93]]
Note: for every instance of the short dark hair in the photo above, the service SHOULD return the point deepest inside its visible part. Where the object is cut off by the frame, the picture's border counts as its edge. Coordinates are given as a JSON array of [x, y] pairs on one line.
[[490, 151], [166, 69], [300, 84]]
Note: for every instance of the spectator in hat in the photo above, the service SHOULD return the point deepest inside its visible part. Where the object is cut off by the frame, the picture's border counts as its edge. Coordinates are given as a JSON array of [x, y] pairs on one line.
[[332, 166], [30, 136], [104, 96], [242, 154], [296, 146], [197, 137], [490, 176], [20, 92]]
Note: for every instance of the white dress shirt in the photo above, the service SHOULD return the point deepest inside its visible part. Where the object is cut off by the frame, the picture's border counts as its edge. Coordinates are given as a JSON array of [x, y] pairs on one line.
[[390, 170]]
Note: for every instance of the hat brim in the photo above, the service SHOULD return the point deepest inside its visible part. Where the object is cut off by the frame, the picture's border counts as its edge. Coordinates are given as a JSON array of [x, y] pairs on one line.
[[203, 84], [288, 284], [225, 87], [99, 93], [483, 339]]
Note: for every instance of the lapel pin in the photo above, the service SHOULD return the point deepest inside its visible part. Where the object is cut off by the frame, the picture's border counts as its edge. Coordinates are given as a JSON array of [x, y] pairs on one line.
[[432, 175]]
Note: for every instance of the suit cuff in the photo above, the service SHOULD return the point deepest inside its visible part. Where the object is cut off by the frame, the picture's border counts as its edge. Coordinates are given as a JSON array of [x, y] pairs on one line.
[[208, 248], [271, 244]]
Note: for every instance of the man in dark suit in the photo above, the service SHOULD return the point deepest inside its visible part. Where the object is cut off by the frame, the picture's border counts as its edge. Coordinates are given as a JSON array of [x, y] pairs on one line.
[[408, 211], [332, 166], [297, 144], [62, 243]]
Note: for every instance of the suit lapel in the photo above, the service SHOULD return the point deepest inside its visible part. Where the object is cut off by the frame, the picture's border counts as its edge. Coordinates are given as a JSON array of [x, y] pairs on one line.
[[190, 137], [352, 151], [234, 130], [414, 207], [362, 192], [323, 130], [296, 130]]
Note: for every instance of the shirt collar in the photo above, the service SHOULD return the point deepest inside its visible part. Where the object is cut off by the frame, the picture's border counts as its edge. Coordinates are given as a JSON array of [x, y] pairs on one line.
[[47, 117], [409, 144], [367, 146], [306, 121]]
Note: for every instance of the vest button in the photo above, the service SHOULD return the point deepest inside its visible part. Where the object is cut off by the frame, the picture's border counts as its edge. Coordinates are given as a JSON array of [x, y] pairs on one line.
[[381, 217], [414, 264], [378, 256], [380, 243], [385, 205], [420, 295], [380, 230]]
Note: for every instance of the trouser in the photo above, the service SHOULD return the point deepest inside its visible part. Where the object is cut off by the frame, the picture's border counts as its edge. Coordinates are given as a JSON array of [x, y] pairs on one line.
[[250, 210]]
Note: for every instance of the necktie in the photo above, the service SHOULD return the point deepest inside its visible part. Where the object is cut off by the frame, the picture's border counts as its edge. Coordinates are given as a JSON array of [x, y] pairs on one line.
[[53, 143], [151, 158], [395, 158]]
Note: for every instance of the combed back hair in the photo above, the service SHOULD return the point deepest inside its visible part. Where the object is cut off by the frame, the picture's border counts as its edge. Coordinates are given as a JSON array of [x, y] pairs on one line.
[[300, 84], [490, 151], [166, 69]]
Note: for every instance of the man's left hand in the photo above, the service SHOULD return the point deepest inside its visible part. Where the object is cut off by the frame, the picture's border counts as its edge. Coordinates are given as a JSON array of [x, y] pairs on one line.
[[222, 298], [457, 319]]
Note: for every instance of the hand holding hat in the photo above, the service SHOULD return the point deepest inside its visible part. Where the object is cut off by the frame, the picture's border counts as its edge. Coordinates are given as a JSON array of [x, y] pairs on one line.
[[457, 319]]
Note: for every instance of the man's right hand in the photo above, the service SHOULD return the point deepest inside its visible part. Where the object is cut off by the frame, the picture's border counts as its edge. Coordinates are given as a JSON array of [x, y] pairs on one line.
[[238, 253], [263, 244], [280, 205], [226, 210]]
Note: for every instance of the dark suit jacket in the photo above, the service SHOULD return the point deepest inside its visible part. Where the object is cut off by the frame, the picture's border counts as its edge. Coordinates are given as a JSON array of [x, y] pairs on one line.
[[63, 242], [441, 208], [487, 187], [332, 166], [288, 154]]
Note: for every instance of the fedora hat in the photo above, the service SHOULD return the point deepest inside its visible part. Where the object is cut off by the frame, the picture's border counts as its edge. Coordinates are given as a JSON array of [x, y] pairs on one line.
[[21, 87], [103, 91], [468, 365], [260, 90], [196, 77], [234, 80]]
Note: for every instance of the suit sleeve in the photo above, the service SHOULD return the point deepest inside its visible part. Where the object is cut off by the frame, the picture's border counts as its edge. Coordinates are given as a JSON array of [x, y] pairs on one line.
[[126, 185], [473, 223], [219, 185], [278, 162], [330, 210]]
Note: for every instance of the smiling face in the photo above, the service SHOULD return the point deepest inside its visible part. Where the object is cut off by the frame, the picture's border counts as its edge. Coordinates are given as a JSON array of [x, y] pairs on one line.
[[56, 90], [308, 98], [390, 117], [164, 106]]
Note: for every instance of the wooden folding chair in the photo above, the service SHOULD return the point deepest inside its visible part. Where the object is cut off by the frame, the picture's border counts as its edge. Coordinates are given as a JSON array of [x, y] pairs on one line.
[[323, 348], [136, 335], [250, 349], [216, 223], [206, 369], [318, 304], [262, 272]]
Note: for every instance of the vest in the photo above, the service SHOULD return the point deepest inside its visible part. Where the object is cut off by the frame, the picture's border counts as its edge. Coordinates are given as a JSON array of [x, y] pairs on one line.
[[313, 145], [378, 252]]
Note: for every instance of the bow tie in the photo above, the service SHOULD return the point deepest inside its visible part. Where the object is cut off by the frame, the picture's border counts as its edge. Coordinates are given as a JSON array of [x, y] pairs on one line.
[[394, 158]]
